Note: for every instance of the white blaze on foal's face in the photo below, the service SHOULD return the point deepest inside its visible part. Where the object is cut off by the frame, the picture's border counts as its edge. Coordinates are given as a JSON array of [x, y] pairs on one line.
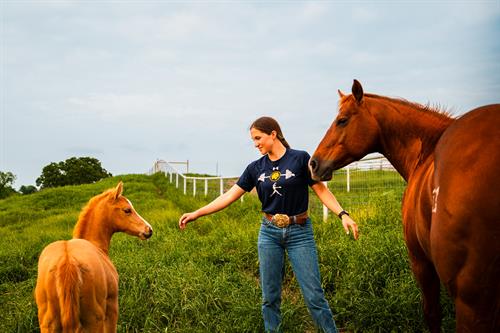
[[134, 224]]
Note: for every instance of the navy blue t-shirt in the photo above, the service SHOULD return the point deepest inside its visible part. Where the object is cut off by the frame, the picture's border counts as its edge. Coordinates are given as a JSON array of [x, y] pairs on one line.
[[282, 185]]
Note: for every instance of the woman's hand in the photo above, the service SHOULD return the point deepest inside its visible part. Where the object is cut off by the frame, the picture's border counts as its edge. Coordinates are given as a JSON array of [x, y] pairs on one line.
[[347, 223], [186, 218]]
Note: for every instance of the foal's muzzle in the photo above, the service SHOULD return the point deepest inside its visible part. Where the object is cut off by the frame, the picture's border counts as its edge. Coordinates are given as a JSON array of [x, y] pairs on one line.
[[147, 234]]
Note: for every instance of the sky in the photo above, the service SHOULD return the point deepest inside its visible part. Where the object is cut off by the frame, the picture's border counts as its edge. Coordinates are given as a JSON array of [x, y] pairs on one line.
[[130, 82]]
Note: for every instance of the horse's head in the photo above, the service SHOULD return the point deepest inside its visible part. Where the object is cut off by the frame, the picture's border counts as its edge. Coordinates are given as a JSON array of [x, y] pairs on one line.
[[352, 135], [124, 217]]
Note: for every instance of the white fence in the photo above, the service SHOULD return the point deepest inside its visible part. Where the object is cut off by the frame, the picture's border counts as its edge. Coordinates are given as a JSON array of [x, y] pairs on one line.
[[220, 184], [170, 171]]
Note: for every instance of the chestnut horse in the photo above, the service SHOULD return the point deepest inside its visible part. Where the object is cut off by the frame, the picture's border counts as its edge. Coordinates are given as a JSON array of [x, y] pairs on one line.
[[451, 205], [77, 285]]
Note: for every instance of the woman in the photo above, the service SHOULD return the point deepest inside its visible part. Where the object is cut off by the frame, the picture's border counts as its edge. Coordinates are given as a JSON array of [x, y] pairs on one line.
[[282, 178]]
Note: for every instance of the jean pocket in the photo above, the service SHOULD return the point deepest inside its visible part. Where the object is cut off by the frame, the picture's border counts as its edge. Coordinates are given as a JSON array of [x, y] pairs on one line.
[[265, 223], [307, 224]]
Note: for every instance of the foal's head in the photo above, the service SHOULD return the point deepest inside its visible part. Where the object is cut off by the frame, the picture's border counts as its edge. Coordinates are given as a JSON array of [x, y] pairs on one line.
[[123, 216]]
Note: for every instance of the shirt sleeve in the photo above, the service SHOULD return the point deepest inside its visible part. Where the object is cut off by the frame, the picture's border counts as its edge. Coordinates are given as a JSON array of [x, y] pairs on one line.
[[246, 180], [310, 181]]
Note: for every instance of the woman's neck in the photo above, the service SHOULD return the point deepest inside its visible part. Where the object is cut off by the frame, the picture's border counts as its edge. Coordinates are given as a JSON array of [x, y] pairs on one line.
[[277, 152]]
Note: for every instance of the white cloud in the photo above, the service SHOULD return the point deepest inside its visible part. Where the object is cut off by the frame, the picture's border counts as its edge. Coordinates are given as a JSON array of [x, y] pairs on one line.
[[365, 58], [314, 10], [364, 15], [474, 12], [164, 75], [110, 106], [178, 26]]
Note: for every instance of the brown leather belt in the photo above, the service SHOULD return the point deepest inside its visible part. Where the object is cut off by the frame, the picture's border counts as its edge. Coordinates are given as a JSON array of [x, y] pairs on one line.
[[282, 220]]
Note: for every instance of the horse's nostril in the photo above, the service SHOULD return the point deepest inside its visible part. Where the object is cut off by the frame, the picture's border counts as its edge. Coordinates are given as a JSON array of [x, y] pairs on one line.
[[313, 164]]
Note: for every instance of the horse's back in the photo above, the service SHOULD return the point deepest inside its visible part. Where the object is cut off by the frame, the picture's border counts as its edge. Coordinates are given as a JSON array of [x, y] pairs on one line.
[[90, 260], [466, 214], [89, 277], [467, 159]]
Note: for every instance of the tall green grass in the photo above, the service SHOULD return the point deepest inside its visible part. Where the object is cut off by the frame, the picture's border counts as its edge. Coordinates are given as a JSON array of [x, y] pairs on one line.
[[205, 279]]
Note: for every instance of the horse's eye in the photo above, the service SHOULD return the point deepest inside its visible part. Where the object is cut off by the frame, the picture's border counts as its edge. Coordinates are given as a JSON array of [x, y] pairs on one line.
[[341, 121], [127, 211]]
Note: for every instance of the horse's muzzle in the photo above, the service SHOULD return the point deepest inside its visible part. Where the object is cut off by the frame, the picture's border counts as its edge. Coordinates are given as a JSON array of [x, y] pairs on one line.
[[320, 170], [147, 235]]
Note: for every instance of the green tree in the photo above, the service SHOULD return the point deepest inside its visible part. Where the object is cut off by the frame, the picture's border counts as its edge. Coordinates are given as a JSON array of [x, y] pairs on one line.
[[6, 181], [73, 171], [27, 189], [52, 176]]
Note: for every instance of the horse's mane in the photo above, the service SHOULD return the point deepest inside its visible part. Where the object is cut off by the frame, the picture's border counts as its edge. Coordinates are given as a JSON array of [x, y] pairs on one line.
[[438, 118], [87, 211], [438, 110]]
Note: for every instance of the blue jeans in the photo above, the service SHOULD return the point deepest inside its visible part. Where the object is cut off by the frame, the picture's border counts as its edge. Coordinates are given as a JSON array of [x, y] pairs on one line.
[[298, 241]]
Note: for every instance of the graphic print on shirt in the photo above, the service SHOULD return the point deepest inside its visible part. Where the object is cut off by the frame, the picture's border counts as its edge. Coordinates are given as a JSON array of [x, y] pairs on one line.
[[274, 177]]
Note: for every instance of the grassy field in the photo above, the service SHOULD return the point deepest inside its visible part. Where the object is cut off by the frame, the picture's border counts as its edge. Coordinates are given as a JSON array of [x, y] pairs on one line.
[[205, 279]]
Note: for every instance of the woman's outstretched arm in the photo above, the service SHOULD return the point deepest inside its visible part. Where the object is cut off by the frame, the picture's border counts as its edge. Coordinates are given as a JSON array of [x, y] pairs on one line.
[[219, 203]]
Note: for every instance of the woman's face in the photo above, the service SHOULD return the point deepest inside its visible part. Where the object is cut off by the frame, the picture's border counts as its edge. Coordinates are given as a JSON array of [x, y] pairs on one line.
[[262, 141]]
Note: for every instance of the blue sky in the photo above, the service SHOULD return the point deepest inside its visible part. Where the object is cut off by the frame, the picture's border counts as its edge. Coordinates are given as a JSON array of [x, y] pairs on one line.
[[128, 82]]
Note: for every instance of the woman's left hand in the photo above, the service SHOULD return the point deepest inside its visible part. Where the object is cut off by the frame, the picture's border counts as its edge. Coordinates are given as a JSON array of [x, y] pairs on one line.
[[349, 223]]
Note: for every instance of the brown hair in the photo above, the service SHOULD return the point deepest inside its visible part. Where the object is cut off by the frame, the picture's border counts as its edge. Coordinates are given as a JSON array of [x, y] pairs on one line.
[[267, 125]]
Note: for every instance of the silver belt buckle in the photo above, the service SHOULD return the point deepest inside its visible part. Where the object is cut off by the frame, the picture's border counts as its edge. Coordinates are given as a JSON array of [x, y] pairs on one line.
[[281, 220]]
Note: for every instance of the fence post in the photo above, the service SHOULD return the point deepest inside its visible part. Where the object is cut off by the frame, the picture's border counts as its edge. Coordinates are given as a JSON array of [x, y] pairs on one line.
[[176, 180], [185, 181], [325, 209], [348, 179], [206, 187], [194, 187], [170, 172], [221, 186]]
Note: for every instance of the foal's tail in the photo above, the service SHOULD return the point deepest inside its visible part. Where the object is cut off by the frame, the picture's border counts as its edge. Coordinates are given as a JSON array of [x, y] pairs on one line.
[[68, 284]]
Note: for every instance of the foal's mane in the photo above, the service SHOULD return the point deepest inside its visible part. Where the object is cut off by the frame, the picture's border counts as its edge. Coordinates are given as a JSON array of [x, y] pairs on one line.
[[88, 209]]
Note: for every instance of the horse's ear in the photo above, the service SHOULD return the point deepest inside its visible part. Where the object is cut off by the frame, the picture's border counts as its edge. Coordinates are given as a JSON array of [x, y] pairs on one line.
[[118, 190], [357, 91], [341, 94]]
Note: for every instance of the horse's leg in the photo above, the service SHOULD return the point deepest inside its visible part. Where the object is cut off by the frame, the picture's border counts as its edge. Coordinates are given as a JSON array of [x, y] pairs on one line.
[[111, 314], [48, 312], [92, 307], [41, 302], [476, 294], [423, 269], [48, 319], [468, 262], [429, 284]]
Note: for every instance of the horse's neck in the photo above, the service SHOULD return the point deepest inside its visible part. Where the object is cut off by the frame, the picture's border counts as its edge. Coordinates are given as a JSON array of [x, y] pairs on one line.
[[91, 226], [409, 135]]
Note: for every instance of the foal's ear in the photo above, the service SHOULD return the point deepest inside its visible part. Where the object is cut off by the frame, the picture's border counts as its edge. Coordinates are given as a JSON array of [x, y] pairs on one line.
[[118, 190], [341, 94], [357, 91]]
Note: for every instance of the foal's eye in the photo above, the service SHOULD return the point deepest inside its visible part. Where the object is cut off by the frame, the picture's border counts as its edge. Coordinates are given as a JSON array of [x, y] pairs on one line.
[[127, 211], [341, 121]]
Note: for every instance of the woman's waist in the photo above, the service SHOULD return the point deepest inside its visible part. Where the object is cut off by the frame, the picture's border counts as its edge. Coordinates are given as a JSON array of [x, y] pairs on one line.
[[284, 220]]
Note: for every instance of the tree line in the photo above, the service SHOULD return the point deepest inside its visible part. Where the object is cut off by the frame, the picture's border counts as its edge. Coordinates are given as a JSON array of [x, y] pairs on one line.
[[73, 171]]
